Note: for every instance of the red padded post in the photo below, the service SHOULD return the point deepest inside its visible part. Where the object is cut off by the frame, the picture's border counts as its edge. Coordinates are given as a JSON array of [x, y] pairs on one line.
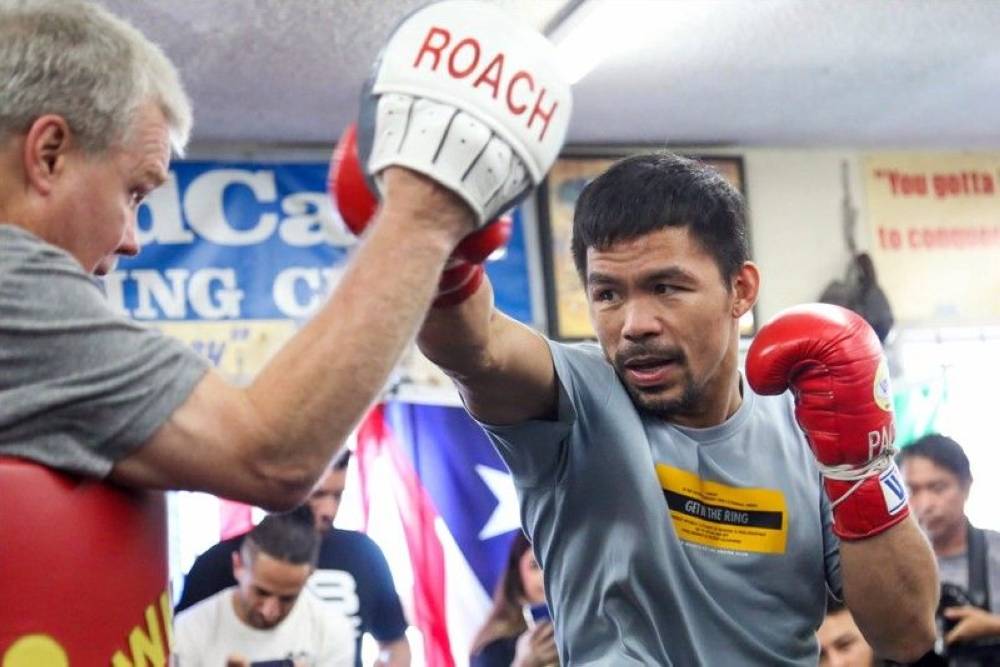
[[83, 571]]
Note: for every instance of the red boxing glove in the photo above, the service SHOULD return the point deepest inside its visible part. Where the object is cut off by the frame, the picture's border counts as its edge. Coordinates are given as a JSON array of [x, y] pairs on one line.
[[464, 272], [833, 363], [348, 185]]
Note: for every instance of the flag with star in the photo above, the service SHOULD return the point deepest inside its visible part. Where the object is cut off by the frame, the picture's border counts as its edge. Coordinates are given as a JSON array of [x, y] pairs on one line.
[[431, 482]]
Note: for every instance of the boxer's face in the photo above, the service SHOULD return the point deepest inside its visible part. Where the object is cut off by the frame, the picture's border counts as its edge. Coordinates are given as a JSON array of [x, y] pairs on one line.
[[667, 322], [99, 206], [325, 498], [267, 588], [531, 578], [841, 643], [937, 497]]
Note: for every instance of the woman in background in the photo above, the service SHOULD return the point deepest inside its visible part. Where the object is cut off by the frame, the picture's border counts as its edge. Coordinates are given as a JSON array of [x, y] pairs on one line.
[[506, 640]]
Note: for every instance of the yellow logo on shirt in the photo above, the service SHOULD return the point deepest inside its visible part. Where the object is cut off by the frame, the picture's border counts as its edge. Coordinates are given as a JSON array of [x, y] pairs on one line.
[[724, 517]]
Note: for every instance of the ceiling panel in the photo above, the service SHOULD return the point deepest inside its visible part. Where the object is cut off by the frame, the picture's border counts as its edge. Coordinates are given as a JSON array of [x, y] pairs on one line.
[[906, 73]]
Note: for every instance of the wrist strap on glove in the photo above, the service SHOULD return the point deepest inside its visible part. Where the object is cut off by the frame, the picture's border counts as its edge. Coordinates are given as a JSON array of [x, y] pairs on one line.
[[866, 501]]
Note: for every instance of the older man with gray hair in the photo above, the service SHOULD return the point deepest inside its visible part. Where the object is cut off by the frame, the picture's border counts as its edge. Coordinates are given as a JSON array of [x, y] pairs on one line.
[[89, 112]]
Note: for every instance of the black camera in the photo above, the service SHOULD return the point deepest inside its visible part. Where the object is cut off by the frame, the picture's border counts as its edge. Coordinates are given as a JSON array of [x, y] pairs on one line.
[[985, 651], [952, 595]]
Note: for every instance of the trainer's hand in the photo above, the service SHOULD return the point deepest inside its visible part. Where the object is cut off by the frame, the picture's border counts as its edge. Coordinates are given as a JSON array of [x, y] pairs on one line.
[[407, 193], [425, 202], [468, 96], [832, 361], [410, 194]]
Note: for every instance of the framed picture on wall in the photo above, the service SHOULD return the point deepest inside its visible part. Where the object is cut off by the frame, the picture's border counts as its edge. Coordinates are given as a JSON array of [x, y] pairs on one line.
[[565, 298]]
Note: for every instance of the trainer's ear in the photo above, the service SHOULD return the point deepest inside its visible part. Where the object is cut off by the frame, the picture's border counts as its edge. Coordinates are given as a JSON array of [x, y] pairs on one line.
[[745, 286], [46, 146]]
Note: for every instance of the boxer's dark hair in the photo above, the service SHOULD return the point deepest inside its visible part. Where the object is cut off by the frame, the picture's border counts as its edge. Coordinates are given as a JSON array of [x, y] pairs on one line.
[[289, 537], [942, 451], [646, 193]]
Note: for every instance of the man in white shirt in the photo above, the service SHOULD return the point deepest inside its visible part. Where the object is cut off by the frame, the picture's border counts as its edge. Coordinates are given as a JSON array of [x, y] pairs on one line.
[[267, 619]]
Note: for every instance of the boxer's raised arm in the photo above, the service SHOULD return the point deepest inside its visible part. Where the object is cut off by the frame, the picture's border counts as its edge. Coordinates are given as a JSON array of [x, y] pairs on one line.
[[502, 368]]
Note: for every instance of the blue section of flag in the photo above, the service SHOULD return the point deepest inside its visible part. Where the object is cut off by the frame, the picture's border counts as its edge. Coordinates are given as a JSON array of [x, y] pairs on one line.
[[445, 446], [251, 235]]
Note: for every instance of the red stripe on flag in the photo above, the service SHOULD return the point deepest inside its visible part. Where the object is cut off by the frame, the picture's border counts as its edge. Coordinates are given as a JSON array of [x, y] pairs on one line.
[[418, 514], [234, 518]]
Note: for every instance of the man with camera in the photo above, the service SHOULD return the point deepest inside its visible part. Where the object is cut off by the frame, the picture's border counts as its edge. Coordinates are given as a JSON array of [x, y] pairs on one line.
[[936, 471]]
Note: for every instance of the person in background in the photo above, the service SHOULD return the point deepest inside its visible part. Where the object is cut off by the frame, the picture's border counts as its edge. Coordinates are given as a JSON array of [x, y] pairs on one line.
[[506, 639], [351, 576], [937, 474], [267, 615], [841, 643]]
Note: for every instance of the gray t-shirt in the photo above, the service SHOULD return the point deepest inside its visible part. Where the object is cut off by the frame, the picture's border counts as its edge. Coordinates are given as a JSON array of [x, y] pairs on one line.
[[80, 385], [664, 545], [955, 569]]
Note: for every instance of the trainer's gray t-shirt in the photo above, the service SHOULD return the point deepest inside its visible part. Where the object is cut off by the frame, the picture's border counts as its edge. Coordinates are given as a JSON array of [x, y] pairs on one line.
[[80, 385], [955, 569], [664, 545]]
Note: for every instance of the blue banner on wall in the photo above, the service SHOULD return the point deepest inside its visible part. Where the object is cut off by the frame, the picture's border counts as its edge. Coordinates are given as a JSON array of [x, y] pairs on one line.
[[256, 241]]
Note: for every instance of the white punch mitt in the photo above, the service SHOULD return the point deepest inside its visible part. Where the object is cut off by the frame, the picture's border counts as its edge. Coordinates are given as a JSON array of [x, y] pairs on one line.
[[470, 97]]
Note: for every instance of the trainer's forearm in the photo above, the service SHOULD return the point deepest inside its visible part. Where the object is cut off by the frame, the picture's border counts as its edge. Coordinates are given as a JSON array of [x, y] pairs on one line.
[[891, 586], [313, 392]]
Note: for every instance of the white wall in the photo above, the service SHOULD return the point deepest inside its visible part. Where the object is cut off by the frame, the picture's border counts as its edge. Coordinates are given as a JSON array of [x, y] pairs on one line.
[[796, 223], [795, 199]]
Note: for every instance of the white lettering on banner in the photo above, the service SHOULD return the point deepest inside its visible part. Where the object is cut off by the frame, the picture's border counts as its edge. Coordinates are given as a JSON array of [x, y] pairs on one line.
[[212, 293], [214, 302], [312, 219], [203, 206], [164, 206], [317, 284], [151, 287], [308, 219]]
